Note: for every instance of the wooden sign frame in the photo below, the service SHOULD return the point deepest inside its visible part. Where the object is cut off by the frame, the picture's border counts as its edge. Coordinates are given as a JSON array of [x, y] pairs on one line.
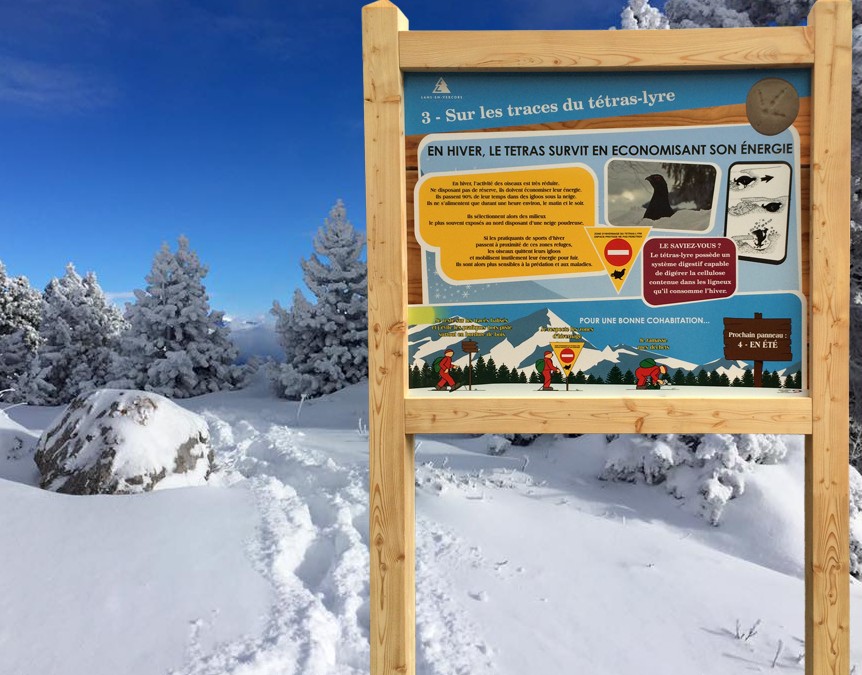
[[824, 46]]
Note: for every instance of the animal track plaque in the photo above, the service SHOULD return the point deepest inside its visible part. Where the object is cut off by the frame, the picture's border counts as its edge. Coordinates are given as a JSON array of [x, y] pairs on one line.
[[772, 105]]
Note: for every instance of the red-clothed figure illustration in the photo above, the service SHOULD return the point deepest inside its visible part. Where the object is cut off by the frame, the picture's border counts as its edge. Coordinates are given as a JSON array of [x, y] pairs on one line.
[[548, 368], [445, 366], [649, 374]]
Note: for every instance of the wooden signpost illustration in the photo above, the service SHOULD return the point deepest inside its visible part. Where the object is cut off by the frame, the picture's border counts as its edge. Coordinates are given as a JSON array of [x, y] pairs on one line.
[[757, 340], [675, 199]]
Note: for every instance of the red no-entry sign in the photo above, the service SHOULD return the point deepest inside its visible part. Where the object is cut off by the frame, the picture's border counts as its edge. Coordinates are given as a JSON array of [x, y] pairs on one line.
[[618, 252], [567, 355]]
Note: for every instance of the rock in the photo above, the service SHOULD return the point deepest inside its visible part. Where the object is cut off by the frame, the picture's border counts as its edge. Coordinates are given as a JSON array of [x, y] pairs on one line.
[[121, 441]]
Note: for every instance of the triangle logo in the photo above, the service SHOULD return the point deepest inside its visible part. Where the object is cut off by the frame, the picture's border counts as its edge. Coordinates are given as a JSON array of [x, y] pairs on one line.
[[618, 248], [441, 87]]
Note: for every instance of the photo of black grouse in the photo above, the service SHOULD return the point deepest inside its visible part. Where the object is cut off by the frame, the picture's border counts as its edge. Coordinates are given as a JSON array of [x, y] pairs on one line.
[[659, 206]]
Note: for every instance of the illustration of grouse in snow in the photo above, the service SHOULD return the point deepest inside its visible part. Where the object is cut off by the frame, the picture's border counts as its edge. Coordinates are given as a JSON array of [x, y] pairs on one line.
[[659, 205]]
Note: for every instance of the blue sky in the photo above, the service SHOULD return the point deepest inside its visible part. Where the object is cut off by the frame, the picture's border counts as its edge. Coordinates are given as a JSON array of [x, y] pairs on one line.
[[238, 124]]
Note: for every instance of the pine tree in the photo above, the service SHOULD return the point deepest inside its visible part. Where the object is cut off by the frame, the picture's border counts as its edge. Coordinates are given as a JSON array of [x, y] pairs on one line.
[[429, 377], [326, 342], [20, 314], [702, 378], [629, 377], [724, 380], [78, 338], [490, 371], [640, 14], [503, 374], [690, 379], [615, 375], [679, 377], [176, 345]]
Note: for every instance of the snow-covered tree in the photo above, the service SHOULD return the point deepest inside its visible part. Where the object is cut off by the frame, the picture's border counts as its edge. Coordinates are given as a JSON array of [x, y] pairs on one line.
[[20, 311], [77, 339], [640, 14], [176, 346], [326, 341]]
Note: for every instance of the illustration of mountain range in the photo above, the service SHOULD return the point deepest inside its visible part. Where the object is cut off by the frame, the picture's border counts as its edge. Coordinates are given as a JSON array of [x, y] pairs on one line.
[[529, 337]]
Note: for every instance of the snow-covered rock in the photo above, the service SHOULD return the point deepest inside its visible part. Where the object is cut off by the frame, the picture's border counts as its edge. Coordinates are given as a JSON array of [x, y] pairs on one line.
[[118, 441]]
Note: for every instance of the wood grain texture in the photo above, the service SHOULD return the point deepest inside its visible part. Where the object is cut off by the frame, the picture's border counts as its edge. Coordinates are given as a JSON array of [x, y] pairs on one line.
[[827, 649], [791, 415], [391, 451], [607, 50]]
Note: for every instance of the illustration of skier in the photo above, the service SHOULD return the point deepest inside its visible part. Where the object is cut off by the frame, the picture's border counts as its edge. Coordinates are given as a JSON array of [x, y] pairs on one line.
[[443, 365], [546, 366], [650, 374]]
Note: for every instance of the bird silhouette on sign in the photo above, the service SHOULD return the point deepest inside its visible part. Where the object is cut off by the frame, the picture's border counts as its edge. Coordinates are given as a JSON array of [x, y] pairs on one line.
[[760, 235], [772, 207], [744, 180], [619, 274], [659, 205]]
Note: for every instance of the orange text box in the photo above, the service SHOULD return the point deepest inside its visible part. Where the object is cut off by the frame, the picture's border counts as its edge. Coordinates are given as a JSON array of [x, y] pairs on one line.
[[524, 223]]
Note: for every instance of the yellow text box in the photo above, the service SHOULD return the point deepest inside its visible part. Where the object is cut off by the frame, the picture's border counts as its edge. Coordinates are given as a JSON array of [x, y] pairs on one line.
[[509, 224]]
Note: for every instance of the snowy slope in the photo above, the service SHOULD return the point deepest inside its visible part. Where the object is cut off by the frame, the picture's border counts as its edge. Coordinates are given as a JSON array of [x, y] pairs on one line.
[[527, 563]]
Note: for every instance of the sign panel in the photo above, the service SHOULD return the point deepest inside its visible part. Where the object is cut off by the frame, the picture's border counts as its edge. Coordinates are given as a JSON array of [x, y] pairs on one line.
[[757, 339], [609, 211]]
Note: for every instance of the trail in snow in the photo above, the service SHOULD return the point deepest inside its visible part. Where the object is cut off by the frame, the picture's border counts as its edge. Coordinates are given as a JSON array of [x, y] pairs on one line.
[[308, 546], [311, 544]]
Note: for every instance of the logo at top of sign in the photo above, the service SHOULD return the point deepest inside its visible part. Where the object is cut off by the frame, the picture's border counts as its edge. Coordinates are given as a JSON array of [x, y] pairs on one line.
[[441, 87], [618, 249]]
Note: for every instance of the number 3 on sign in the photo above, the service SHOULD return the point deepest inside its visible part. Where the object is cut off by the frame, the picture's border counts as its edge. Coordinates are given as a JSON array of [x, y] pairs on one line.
[[426, 117]]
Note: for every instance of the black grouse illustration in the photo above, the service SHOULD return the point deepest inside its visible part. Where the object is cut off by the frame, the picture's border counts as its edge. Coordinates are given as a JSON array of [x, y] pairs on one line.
[[659, 205], [772, 207], [760, 235], [618, 274], [744, 180]]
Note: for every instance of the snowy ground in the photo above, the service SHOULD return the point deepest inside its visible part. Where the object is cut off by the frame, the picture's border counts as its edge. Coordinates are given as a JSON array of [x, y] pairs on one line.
[[527, 563]]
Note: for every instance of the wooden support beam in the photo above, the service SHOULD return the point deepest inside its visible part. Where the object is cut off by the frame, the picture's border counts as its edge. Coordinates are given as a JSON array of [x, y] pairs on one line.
[[711, 48], [827, 587], [391, 451], [642, 414]]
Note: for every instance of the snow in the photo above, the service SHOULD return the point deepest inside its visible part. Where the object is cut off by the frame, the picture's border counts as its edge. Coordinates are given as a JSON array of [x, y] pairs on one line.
[[527, 562]]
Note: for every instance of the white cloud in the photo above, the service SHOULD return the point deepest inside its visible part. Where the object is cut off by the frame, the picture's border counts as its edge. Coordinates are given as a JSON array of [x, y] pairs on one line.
[[30, 83]]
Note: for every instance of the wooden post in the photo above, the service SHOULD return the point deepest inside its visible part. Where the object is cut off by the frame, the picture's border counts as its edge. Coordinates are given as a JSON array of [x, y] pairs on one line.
[[391, 451], [758, 365], [827, 583]]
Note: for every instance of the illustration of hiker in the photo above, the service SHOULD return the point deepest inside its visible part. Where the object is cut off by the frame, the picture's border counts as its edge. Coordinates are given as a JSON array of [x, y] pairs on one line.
[[443, 365], [546, 366], [650, 374]]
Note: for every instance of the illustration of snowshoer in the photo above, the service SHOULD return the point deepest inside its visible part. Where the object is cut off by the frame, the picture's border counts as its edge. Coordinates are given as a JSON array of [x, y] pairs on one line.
[[546, 367], [443, 365], [650, 374]]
